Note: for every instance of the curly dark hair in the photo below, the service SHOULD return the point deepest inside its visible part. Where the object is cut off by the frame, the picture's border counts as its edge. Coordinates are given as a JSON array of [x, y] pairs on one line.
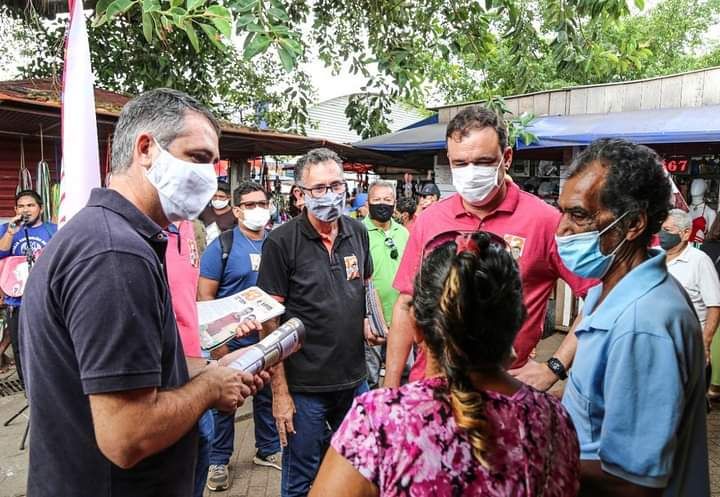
[[245, 187], [469, 307], [478, 117], [636, 181], [407, 204]]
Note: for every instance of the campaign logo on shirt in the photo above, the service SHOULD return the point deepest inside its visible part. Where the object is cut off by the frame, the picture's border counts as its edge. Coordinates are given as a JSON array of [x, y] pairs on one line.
[[194, 254], [516, 244], [352, 270], [254, 262]]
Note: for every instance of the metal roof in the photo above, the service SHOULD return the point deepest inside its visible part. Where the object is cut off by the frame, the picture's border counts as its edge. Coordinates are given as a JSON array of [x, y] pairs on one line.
[[41, 100]]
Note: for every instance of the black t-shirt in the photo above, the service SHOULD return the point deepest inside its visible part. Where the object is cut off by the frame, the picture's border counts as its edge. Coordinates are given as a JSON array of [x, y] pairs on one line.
[[712, 249], [224, 221], [327, 293], [97, 318]]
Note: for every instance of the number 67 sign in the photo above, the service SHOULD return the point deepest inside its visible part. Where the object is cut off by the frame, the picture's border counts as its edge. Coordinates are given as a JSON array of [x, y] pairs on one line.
[[677, 166]]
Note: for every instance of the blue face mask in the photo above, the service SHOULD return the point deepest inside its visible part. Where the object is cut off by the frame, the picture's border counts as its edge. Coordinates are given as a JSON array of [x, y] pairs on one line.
[[581, 253], [327, 208]]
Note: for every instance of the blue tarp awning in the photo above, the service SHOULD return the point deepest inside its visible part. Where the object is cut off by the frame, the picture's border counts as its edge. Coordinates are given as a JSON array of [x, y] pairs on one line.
[[693, 124]]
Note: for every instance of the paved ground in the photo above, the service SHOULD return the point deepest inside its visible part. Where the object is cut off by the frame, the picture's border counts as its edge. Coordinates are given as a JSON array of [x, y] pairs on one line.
[[248, 480]]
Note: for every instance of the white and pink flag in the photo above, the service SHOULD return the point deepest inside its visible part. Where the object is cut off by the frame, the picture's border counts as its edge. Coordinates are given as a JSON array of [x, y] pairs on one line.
[[80, 155]]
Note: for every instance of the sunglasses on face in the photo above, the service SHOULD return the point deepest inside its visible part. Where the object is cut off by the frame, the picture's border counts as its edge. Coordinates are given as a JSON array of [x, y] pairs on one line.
[[390, 243]]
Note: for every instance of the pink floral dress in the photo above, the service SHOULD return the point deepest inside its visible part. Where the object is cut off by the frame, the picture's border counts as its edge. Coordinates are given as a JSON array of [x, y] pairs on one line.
[[406, 442]]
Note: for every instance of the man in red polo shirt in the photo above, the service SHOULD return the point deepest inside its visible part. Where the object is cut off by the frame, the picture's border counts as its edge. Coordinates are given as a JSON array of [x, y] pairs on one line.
[[486, 200]]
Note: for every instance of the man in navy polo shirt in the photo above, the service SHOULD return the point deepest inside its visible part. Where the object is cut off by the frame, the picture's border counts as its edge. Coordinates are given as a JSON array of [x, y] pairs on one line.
[[25, 234], [317, 264], [219, 279], [114, 403]]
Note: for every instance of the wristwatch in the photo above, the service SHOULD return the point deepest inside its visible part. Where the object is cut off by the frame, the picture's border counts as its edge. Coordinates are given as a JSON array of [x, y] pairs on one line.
[[557, 367]]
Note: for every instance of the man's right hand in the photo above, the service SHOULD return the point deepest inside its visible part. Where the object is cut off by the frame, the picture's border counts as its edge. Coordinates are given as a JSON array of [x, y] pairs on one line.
[[14, 225], [283, 410], [234, 387]]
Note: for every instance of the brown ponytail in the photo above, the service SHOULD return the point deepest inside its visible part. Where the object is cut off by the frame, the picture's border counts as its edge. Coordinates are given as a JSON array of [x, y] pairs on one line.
[[467, 404]]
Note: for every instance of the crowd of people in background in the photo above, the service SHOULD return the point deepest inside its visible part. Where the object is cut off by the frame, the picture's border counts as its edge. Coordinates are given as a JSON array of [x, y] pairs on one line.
[[448, 399]]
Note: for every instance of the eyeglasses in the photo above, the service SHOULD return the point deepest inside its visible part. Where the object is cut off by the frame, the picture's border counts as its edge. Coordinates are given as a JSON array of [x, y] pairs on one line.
[[390, 243], [320, 190], [252, 205]]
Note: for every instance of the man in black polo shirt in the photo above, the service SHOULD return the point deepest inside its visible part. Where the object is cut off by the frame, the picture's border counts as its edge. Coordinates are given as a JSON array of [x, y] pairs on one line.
[[317, 265], [113, 407]]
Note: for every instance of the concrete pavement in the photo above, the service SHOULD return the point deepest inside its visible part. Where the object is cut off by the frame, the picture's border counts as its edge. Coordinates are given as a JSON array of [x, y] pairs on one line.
[[249, 480]]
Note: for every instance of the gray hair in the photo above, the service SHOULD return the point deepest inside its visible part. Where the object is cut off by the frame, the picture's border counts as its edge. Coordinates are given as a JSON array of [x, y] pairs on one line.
[[161, 113], [313, 157], [680, 219], [381, 184]]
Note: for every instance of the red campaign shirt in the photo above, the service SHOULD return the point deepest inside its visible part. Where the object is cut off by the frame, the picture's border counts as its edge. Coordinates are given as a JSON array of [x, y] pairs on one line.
[[528, 225], [183, 271]]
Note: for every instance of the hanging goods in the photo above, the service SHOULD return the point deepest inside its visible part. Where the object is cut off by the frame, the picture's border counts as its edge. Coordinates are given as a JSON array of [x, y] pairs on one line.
[[43, 181], [24, 178]]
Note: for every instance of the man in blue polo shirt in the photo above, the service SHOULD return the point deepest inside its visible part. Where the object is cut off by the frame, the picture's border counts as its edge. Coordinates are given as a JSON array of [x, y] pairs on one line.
[[636, 392], [25, 234], [220, 278]]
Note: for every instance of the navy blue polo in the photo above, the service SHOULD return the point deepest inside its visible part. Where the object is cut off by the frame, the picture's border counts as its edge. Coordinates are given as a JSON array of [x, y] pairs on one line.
[[98, 318], [326, 291]]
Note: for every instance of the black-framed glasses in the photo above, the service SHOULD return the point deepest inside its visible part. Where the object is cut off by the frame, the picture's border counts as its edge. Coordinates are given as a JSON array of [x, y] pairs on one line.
[[390, 243], [251, 205], [320, 190]]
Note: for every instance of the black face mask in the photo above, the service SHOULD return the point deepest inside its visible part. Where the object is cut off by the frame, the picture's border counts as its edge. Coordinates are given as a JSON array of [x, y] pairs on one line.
[[669, 240], [381, 212]]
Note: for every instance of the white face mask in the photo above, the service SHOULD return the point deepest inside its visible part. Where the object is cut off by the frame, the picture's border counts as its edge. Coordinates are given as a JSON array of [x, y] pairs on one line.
[[256, 219], [477, 184], [184, 188], [219, 204]]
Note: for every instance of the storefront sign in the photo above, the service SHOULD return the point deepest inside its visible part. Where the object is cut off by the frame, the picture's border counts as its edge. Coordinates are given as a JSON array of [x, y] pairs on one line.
[[677, 165]]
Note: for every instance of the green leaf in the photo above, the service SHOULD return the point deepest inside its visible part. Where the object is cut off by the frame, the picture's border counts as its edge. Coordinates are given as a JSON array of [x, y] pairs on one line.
[[287, 57], [214, 36], [148, 26], [278, 14], [254, 28], [191, 5], [151, 6], [640, 4], [178, 11], [176, 3], [192, 35], [219, 10], [102, 6], [257, 45], [223, 25], [118, 7], [243, 21]]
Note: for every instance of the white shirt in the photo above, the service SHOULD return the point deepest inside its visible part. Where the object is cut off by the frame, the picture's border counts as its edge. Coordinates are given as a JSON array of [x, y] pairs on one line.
[[696, 273]]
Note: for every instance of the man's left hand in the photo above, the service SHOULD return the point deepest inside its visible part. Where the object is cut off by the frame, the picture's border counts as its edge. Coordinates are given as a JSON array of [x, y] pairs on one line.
[[535, 374], [370, 337]]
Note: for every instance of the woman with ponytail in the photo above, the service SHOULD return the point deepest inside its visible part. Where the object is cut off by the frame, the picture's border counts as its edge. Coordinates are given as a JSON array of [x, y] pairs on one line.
[[469, 428]]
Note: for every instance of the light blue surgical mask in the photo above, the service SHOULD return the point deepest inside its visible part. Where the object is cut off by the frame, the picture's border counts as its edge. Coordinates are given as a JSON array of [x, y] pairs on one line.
[[326, 208], [581, 253]]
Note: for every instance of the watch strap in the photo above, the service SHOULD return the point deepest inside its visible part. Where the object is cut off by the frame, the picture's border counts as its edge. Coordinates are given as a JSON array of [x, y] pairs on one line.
[[557, 367]]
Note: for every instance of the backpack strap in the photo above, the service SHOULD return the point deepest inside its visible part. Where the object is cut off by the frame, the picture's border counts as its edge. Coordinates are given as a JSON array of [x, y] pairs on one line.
[[226, 243]]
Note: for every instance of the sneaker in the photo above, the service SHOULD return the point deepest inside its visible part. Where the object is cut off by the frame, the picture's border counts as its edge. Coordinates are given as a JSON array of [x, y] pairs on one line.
[[218, 477], [271, 460]]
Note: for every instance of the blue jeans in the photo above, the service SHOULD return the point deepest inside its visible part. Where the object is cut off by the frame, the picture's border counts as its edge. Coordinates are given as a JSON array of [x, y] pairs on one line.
[[205, 429], [317, 417], [266, 437]]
